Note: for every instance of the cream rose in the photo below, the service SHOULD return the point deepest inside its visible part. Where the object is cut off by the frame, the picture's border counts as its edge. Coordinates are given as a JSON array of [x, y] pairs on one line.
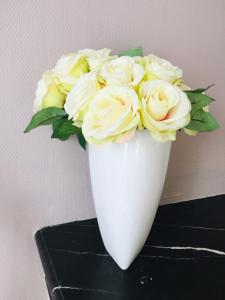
[[122, 70], [48, 93], [112, 115], [96, 58], [69, 69], [78, 99], [165, 109], [158, 68]]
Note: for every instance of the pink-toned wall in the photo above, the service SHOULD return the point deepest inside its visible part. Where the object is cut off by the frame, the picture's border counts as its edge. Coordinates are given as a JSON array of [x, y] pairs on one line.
[[43, 181]]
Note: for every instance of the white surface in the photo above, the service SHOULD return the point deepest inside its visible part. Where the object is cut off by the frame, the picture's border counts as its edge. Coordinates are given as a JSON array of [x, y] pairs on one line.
[[127, 181], [44, 181]]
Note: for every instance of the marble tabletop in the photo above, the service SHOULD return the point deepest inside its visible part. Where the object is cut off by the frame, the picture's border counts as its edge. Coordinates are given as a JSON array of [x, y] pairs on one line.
[[183, 258]]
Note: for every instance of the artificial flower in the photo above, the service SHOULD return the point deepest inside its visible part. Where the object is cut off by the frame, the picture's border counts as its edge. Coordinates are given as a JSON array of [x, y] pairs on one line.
[[122, 70], [96, 58], [48, 93], [80, 96], [158, 68], [69, 69], [112, 113], [164, 110]]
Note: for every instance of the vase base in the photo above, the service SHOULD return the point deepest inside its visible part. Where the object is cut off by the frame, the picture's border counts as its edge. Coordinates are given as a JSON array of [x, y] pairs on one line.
[[123, 262]]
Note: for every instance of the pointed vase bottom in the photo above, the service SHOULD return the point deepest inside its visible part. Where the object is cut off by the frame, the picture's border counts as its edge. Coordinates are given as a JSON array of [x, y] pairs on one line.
[[127, 181]]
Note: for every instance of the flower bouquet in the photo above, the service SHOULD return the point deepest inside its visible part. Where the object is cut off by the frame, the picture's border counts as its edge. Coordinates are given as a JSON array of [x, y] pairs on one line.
[[128, 108]]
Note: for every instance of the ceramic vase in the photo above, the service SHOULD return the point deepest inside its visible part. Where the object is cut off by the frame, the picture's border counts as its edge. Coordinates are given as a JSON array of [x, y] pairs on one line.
[[127, 181]]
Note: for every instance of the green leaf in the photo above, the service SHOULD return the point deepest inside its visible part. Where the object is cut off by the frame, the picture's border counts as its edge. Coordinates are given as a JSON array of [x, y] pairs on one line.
[[132, 52], [81, 140], [56, 122], [45, 117], [196, 97], [202, 121], [202, 90], [198, 101], [63, 129]]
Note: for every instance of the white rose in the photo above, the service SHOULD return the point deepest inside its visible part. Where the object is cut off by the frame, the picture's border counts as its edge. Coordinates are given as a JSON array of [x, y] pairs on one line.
[[69, 69], [165, 109], [96, 58], [78, 99], [48, 93], [122, 70], [158, 68], [112, 114]]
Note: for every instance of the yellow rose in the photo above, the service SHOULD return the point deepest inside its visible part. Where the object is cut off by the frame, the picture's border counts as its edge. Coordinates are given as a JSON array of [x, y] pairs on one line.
[[158, 68], [112, 114], [48, 93], [122, 70], [78, 99], [69, 69], [96, 58], [165, 109]]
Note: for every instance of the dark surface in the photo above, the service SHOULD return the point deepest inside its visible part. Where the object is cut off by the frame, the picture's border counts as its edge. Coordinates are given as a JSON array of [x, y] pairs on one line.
[[183, 258]]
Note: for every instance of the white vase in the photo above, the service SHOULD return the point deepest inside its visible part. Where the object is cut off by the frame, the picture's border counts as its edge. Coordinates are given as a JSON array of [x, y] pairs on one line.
[[127, 181]]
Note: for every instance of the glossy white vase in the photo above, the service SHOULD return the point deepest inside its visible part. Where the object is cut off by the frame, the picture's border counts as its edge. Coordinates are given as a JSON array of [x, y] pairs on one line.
[[127, 181]]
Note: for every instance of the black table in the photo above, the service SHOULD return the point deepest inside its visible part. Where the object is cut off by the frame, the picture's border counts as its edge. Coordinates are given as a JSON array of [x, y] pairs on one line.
[[183, 258]]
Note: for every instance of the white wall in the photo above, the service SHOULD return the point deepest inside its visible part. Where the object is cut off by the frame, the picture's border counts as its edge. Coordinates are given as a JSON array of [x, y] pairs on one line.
[[46, 182]]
